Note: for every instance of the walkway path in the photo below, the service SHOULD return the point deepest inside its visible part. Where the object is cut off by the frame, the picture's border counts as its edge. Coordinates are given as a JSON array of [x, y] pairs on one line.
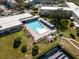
[[75, 41], [69, 40]]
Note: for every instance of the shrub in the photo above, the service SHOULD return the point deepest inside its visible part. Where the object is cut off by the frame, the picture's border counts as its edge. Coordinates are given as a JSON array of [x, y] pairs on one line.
[[55, 38], [71, 25], [72, 36], [17, 42], [35, 50], [35, 9], [77, 34], [24, 48], [60, 34]]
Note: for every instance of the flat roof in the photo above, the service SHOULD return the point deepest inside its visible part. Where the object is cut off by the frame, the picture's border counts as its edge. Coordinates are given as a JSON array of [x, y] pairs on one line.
[[54, 8], [10, 21], [72, 7]]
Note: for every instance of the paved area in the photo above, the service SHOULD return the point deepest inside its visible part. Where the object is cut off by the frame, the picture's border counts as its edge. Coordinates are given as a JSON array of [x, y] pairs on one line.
[[69, 40]]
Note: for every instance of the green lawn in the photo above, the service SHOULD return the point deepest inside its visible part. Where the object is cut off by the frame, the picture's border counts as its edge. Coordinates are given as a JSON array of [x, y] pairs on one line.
[[67, 45], [8, 52], [6, 46], [71, 30]]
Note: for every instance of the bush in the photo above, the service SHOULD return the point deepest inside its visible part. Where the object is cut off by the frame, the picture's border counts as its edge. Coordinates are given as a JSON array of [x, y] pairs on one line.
[[60, 34], [55, 38], [72, 36], [17, 42], [35, 9], [71, 25], [77, 34], [65, 22], [35, 50], [24, 48], [77, 30]]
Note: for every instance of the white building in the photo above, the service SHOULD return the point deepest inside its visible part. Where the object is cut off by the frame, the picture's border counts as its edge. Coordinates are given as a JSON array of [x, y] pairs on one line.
[[75, 10], [12, 23], [71, 7], [47, 9]]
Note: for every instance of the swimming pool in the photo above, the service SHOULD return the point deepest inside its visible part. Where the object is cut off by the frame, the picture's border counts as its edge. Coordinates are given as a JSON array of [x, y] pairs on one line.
[[37, 26]]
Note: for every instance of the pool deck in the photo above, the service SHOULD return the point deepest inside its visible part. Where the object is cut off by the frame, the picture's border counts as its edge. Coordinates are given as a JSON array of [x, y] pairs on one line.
[[37, 36]]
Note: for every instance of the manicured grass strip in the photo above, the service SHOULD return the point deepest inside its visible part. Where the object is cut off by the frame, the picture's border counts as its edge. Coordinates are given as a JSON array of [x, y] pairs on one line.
[[6, 46]]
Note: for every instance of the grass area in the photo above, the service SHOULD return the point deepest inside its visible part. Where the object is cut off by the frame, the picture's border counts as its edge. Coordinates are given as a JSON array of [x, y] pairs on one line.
[[45, 46], [8, 52], [71, 30], [6, 46]]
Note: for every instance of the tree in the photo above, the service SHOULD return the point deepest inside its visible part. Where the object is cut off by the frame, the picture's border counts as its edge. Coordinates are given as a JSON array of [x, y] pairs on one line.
[[71, 24], [20, 5], [77, 30], [35, 50], [60, 14], [24, 48], [17, 42], [60, 17], [77, 34], [28, 5]]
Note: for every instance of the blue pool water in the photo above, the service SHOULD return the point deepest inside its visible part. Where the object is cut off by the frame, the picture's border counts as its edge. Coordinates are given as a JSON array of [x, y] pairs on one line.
[[34, 25]]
